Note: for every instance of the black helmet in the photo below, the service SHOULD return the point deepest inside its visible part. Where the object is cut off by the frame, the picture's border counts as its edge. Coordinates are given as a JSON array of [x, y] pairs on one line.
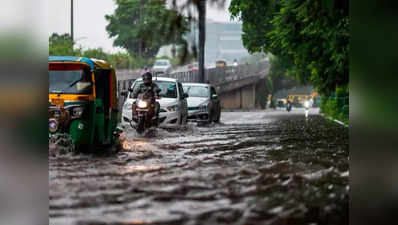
[[147, 78]]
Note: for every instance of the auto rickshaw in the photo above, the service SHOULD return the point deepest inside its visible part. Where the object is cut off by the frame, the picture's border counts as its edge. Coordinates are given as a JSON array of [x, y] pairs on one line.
[[83, 101]]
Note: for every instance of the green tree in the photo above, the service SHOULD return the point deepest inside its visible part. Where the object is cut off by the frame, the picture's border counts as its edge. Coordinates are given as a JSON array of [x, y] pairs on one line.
[[311, 36], [278, 75], [62, 45], [142, 27]]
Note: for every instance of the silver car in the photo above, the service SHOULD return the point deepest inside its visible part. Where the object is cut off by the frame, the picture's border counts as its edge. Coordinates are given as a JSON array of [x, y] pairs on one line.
[[161, 66], [203, 102]]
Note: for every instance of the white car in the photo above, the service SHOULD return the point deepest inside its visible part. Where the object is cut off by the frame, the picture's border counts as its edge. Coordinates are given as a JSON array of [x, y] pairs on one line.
[[173, 103], [161, 66], [203, 103]]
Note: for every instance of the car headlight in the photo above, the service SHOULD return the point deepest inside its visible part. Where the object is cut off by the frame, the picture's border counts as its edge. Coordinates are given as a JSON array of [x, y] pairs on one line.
[[77, 111], [52, 125], [128, 105], [203, 106], [172, 108], [142, 104]]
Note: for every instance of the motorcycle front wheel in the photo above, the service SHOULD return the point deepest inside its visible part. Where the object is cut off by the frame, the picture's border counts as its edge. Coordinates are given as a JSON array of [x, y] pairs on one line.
[[140, 125]]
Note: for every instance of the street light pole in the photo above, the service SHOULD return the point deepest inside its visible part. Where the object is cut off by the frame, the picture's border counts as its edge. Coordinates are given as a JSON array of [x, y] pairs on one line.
[[202, 39], [71, 19], [140, 27]]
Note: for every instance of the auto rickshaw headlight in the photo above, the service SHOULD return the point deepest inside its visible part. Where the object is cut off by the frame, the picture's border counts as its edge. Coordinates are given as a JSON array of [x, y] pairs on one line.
[[77, 111], [52, 125], [57, 113]]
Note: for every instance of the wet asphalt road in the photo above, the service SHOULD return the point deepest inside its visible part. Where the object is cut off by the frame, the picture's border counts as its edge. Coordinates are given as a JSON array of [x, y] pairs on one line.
[[254, 168]]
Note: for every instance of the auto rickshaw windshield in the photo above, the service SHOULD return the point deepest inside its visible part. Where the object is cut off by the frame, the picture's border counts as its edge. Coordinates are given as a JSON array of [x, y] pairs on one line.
[[70, 82]]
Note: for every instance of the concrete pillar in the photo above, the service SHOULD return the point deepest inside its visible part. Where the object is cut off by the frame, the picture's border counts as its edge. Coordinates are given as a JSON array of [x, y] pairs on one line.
[[231, 100], [248, 94]]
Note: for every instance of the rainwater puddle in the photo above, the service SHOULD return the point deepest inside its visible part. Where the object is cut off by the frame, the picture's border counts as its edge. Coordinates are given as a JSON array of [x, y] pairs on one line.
[[282, 169]]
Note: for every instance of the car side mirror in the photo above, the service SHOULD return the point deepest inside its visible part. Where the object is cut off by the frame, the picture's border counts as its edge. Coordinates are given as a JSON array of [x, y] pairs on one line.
[[186, 95], [214, 96]]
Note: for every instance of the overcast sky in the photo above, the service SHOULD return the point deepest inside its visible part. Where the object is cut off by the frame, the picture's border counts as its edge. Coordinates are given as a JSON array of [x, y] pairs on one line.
[[89, 17]]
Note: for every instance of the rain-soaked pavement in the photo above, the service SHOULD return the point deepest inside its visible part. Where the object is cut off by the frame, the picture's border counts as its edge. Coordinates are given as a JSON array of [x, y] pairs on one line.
[[254, 168]]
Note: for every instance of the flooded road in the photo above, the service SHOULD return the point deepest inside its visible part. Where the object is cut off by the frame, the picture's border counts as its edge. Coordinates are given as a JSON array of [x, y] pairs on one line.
[[253, 168]]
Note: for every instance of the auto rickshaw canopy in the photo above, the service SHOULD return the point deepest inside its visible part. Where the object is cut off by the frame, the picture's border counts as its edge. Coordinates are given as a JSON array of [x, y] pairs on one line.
[[93, 63], [97, 66]]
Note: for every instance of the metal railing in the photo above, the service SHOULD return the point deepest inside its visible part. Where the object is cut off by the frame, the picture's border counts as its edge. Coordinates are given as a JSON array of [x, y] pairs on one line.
[[223, 74]]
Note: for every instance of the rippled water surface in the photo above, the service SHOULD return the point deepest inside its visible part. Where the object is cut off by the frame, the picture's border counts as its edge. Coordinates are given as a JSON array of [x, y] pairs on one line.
[[254, 168]]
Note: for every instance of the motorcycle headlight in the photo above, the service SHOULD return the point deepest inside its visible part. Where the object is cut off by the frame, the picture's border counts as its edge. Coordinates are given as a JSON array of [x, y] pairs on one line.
[[172, 108], [142, 104], [77, 111], [52, 125]]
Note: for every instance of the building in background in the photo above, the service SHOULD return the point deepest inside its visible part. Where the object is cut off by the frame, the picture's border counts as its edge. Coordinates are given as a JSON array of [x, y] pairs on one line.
[[223, 41]]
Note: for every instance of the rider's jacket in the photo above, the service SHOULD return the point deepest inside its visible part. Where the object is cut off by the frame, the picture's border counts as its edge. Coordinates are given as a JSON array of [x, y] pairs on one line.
[[150, 91]]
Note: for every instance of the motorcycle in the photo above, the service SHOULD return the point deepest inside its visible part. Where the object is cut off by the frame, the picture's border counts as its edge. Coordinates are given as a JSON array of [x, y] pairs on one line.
[[288, 106], [144, 117]]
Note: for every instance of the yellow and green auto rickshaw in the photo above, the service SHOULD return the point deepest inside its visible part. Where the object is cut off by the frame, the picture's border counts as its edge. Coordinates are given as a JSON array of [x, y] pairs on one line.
[[83, 100]]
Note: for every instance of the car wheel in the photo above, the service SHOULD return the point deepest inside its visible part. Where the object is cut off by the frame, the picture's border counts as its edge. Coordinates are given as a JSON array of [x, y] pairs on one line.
[[185, 119], [210, 118], [182, 120], [217, 119]]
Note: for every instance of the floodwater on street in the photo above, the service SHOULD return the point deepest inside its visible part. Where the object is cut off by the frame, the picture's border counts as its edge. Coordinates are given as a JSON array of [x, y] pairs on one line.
[[260, 167]]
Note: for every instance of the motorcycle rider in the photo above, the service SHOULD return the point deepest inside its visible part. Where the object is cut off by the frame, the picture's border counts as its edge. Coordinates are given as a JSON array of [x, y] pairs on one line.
[[288, 105], [151, 91]]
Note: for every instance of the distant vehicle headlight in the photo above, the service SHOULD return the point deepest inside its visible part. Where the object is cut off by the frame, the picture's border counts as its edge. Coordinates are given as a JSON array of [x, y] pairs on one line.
[[172, 108], [77, 111], [142, 104], [306, 104], [52, 125]]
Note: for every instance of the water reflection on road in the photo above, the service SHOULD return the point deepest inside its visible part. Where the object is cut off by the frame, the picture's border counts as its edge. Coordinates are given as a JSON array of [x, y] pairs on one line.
[[254, 168]]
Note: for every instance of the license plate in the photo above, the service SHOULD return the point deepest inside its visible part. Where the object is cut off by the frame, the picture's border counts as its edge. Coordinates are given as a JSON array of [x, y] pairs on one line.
[[58, 102]]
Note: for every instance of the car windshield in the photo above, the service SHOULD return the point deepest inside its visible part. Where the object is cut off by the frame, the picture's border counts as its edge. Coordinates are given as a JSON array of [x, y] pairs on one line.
[[197, 91], [168, 89], [70, 82], [160, 63]]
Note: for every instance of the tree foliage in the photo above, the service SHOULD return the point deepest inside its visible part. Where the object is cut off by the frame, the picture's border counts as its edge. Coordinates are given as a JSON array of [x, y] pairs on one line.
[[61, 45], [144, 26], [310, 36], [278, 75]]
